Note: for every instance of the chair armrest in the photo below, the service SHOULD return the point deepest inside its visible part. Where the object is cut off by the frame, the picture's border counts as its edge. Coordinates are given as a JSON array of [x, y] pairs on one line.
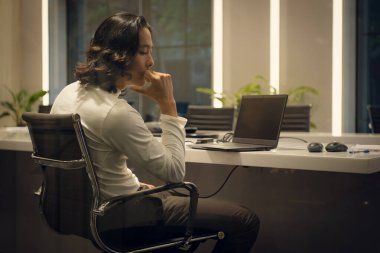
[[193, 193], [109, 203]]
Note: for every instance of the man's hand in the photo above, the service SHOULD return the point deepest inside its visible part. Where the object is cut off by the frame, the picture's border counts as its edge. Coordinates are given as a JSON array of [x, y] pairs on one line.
[[159, 87], [146, 186]]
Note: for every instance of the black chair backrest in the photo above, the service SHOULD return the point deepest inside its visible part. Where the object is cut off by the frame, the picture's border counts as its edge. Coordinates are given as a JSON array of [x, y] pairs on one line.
[[44, 108], [70, 192], [210, 118], [296, 118], [374, 118], [67, 195]]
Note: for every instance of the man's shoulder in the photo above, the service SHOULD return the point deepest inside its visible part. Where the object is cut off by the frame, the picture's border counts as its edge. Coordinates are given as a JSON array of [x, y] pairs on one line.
[[72, 85], [120, 107]]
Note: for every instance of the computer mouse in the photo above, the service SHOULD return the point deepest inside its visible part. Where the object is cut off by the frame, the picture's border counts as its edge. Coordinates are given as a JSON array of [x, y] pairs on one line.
[[315, 147], [336, 147]]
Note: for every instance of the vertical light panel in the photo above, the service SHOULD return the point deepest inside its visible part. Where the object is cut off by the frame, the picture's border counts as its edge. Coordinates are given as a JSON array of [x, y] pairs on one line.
[[274, 78], [217, 46], [45, 50], [337, 62]]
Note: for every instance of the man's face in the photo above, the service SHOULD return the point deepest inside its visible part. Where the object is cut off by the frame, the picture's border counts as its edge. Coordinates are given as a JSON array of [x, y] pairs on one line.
[[143, 60]]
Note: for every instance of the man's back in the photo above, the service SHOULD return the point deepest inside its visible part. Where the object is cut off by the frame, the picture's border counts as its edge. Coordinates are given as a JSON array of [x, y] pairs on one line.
[[94, 106], [116, 133]]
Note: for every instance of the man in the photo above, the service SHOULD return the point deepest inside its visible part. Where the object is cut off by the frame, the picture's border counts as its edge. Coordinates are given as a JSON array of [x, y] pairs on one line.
[[120, 57]]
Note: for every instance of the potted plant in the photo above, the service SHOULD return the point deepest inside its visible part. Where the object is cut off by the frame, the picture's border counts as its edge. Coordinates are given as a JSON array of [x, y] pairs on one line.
[[259, 85], [21, 102]]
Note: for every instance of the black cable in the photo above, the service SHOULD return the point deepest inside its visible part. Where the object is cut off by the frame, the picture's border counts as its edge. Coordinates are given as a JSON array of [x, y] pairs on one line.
[[220, 188], [213, 194], [295, 138]]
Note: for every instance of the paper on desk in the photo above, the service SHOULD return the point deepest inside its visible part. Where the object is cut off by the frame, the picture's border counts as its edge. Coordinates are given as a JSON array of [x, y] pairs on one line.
[[291, 146], [366, 147]]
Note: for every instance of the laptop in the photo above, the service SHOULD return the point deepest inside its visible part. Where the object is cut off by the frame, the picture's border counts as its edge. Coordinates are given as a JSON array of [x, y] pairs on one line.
[[258, 125]]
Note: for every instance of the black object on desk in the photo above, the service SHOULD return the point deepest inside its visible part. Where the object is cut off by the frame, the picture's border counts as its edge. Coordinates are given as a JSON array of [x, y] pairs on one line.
[[158, 130], [336, 147], [315, 147], [258, 125], [191, 132], [202, 135]]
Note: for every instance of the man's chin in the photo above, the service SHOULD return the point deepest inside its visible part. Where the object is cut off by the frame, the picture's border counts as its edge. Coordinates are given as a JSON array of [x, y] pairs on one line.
[[139, 82]]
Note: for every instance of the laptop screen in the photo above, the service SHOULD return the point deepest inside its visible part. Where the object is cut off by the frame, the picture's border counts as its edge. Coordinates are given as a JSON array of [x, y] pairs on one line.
[[260, 119]]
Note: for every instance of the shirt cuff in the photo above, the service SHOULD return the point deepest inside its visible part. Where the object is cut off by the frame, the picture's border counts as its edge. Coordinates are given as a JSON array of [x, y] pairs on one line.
[[180, 120]]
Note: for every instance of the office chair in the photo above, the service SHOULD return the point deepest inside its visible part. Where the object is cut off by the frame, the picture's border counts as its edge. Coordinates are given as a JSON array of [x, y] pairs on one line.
[[70, 197], [374, 118], [210, 118], [296, 118], [44, 108]]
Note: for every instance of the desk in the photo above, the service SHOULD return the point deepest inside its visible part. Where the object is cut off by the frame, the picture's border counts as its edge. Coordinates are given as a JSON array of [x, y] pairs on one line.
[[325, 137], [16, 138], [288, 157], [347, 138], [301, 210], [313, 203], [307, 202], [291, 159]]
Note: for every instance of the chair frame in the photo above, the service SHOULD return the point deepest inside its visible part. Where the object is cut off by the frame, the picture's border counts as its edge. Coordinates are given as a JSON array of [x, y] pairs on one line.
[[374, 118], [211, 118], [296, 118], [99, 207]]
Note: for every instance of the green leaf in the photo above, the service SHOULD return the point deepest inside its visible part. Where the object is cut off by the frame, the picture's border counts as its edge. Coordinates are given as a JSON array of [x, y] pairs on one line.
[[21, 102], [34, 98], [21, 95], [223, 100], [272, 90], [296, 95], [249, 89], [258, 85], [206, 90], [37, 95], [21, 98], [4, 114], [222, 97], [8, 105], [260, 78]]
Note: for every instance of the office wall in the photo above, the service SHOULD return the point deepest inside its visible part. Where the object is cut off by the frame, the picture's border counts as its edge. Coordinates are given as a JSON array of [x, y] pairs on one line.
[[306, 53], [31, 44], [245, 41], [305, 48], [9, 48], [20, 48]]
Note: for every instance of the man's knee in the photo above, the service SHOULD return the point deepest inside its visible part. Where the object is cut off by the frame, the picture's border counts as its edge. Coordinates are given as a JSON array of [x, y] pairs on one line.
[[254, 223], [249, 219]]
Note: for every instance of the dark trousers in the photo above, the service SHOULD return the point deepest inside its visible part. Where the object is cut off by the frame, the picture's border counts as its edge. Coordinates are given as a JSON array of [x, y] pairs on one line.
[[168, 210], [239, 224]]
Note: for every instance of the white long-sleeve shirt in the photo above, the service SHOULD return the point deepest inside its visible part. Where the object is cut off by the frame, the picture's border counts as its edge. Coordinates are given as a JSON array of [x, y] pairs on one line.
[[116, 135]]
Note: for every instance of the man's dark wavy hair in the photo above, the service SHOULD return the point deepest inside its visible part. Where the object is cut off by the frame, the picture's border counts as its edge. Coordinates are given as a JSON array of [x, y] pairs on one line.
[[111, 51]]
